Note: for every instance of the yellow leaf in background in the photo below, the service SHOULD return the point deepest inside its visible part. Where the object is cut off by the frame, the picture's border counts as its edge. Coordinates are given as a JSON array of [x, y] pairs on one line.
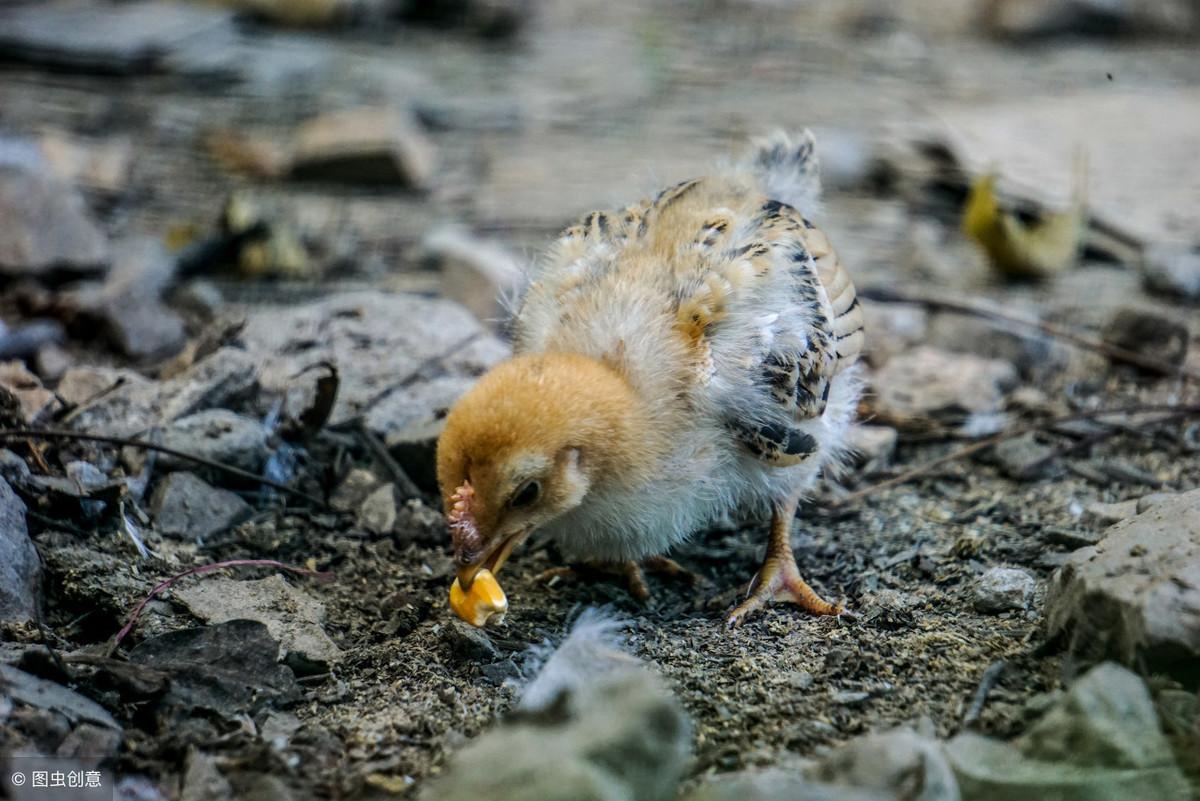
[[1019, 249]]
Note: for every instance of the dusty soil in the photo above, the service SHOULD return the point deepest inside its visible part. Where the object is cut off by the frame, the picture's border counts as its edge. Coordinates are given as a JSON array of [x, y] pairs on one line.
[[610, 104]]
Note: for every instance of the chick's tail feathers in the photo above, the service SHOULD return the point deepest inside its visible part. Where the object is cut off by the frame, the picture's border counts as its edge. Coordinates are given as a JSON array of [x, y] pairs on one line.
[[787, 169]]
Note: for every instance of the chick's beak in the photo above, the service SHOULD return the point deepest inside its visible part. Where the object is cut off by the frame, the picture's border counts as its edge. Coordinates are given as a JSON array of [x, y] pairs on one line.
[[493, 557]]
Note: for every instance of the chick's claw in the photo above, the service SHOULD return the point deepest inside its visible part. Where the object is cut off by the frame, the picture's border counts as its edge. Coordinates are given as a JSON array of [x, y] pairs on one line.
[[781, 584], [779, 578]]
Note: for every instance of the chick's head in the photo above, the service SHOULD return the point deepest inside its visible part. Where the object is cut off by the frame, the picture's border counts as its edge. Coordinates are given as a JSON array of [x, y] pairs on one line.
[[523, 447]]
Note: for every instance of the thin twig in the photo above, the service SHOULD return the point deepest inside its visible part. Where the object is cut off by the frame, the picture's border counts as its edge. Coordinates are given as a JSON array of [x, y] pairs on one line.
[[46, 433], [195, 571], [404, 483], [973, 309], [983, 444], [988, 681]]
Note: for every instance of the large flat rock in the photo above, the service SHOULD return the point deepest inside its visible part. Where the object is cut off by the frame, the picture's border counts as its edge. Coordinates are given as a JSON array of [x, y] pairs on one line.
[[1135, 595], [380, 343]]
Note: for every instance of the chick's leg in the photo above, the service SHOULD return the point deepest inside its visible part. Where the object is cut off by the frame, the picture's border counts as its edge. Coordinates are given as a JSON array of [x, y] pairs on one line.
[[779, 578]]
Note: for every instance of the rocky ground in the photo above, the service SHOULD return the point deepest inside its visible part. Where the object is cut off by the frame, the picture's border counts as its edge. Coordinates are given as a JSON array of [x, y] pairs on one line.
[[247, 266]]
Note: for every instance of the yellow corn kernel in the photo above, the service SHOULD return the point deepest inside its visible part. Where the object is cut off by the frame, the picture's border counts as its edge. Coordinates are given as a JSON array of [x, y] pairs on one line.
[[482, 604]]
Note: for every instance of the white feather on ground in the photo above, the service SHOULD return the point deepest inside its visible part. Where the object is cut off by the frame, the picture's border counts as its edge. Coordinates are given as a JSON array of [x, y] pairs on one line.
[[592, 649]]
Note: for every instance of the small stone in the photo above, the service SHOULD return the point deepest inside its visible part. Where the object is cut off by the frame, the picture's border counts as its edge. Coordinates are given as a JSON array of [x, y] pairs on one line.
[[27, 340], [128, 305], [1034, 355], [1023, 458], [470, 641], [98, 165], [478, 273], [200, 298], [1001, 589], [20, 568], [416, 522], [363, 146], [354, 489], [226, 378], [202, 780], [52, 362], [492, 19], [1148, 334], [45, 225], [799, 679], [1070, 538], [44, 694], [892, 328], [849, 697], [1172, 270], [926, 382], [1103, 515], [1102, 740], [1032, 20], [35, 400], [291, 616], [378, 511], [775, 784], [184, 506], [297, 13], [872, 444], [132, 38], [219, 435], [901, 763], [1135, 596]]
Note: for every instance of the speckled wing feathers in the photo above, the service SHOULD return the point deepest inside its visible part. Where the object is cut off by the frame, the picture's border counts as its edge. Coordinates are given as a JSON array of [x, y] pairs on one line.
[[718, 252]]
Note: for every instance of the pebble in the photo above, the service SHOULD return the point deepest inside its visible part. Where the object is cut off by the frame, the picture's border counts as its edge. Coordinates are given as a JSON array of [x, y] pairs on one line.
[[185, 506], [219, 435], [20, 568], [354, 489], [872, 444], [1148, 333], [1023, 458], [1172, 270], [377, 514], [900, 763], [1100, 741], [363, 146], [292, 617], [1001, 589], [1102, 515], [45, 226]]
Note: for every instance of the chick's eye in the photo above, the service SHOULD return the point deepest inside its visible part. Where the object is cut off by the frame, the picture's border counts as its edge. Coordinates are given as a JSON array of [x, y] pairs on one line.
[[526, 495]]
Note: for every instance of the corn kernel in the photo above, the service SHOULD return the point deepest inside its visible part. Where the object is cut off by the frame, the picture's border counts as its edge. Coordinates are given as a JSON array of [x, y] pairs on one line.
[[482, 604]]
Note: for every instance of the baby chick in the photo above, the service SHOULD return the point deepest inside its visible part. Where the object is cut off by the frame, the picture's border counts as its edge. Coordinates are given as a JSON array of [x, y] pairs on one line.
[[676, 360]]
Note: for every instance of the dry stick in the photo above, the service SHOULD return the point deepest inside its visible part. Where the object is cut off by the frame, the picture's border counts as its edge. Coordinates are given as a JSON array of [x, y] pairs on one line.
[[404, 483], [166, 583], [888, 295], [46, 433], [986, 683], [983, 444]]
